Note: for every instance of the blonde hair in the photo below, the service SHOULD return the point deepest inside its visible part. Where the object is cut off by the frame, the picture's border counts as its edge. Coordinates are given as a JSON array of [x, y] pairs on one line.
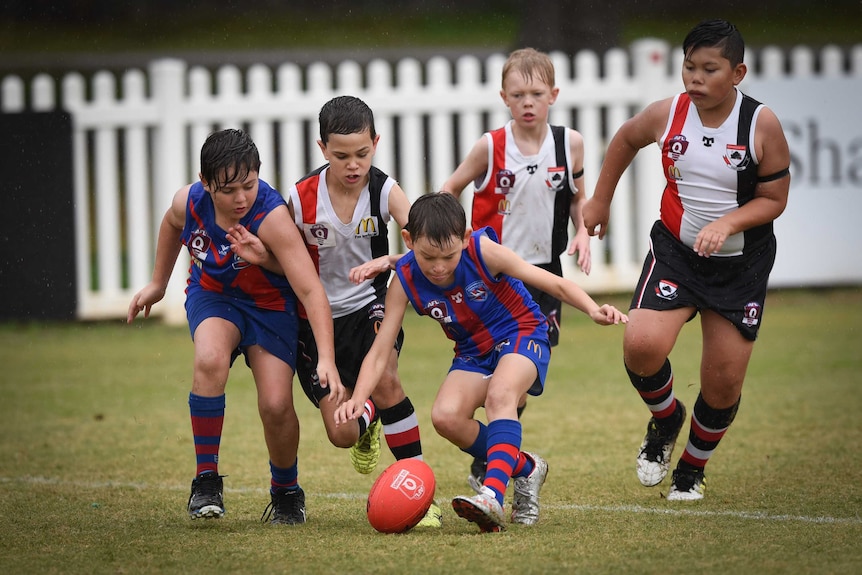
[[530, 63]]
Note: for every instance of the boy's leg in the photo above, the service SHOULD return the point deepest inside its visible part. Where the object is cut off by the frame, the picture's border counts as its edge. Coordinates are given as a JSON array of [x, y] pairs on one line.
[[724, 362], [215, 340], [281, 434]]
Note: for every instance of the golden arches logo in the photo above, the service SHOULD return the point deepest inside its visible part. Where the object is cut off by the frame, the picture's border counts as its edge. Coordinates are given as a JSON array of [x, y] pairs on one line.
[[367, 227], [673, 173], [534, 348], [504, 206]]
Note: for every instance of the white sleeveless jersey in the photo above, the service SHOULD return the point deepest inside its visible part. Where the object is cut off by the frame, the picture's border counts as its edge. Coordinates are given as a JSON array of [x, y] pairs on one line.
[[702, 167], [336, 246], [516, 195]]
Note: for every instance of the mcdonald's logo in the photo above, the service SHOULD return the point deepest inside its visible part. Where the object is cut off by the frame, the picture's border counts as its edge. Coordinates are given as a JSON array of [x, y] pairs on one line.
[[367, 227], [673, 173], [504, 207], [534, 348]]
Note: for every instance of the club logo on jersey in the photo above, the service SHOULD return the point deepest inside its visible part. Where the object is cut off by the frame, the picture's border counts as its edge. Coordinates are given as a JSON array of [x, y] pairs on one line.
[[366, 228], [752, 313], [708, 142], [503, 182], [504, 207], [223, 250], [457, 296], [666, 290], [531, 169], [556, 178], [239, 264], [199, 245], [438, 310], [736, 157], [477, 291], [676, 146]]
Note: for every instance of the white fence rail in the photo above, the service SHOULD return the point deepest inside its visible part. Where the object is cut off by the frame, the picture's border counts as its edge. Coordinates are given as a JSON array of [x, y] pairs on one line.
[[137, 137]]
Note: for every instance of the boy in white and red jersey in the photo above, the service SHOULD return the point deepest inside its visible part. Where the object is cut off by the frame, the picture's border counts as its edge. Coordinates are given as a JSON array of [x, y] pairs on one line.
[[529, 183], [342, 210], [726, 161]]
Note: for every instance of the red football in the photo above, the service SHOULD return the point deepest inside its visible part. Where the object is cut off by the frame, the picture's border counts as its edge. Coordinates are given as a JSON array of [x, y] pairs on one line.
[[401, 496]]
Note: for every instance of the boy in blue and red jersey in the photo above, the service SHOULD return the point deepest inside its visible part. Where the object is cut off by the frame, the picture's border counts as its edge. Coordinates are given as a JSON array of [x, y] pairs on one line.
[[235, 307], [475, 288]]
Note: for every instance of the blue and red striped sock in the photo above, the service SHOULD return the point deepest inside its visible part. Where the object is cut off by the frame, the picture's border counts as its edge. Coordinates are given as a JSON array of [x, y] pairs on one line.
[[207, 415], [504, 448], [284, 477]]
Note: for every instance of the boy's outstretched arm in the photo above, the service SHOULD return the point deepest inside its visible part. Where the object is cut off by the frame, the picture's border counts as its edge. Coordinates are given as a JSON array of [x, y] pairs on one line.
[[502, 260], [168, 248], [377, 358]]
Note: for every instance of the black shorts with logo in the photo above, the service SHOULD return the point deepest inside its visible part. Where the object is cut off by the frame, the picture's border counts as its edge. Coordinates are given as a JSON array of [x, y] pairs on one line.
[[354, 335], [674, 276]]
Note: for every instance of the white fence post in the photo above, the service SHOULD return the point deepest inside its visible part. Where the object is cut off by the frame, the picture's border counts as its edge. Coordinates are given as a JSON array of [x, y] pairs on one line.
[[169, 167]]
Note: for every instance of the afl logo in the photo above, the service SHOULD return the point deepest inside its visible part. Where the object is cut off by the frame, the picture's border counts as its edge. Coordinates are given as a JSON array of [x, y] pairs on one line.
[[751, 315], [199, 244], [504, 180], [438, 310], [319, 233], [676, 147]]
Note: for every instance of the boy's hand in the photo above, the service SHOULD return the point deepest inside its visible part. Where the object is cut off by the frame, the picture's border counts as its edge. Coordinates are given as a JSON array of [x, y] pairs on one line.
[[144, 300], [246, 245], [350, 409], [581, 245], [328, 376], [609, 315], [370, 270], [596, 215]]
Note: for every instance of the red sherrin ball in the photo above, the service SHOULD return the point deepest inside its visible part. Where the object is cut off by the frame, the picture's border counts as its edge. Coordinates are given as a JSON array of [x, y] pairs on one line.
[[401, 496]]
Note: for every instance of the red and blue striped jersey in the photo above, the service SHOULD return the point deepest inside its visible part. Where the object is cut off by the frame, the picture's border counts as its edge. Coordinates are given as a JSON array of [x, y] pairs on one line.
[[477, 311], [215, 268]]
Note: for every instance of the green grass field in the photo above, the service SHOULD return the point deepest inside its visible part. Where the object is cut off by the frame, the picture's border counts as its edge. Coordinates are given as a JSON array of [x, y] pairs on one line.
[[96, 461]]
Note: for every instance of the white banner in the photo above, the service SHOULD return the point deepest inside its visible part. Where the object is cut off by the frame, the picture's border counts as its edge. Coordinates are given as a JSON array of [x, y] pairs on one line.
[[818, 241]]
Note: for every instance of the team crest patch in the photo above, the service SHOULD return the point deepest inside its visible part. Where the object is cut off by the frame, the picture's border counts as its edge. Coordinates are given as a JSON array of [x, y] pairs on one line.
[[556, 178], [666, 290], [318, 235], [752, 314], [736, 157], [477, 291]]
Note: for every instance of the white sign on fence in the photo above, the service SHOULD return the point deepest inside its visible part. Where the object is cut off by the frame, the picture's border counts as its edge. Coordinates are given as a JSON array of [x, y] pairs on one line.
[[818, 241]]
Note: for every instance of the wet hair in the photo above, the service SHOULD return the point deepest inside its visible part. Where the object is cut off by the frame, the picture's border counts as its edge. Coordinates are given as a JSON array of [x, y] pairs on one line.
[[438, 218], [530, 63], [719, 34], [228, 156], [345, 115]]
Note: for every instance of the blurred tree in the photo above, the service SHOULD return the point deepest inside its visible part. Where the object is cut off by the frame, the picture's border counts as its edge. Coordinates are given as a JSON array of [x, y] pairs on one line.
[[572, 25]]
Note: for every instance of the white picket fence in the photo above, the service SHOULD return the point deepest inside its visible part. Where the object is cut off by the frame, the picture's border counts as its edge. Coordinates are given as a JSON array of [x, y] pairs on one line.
[[137, 136]]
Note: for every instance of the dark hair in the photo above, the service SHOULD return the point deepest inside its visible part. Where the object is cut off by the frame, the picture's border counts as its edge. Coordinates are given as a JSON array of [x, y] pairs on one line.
[[228, 156], [345, 115], [719, 34], [438, 218]]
